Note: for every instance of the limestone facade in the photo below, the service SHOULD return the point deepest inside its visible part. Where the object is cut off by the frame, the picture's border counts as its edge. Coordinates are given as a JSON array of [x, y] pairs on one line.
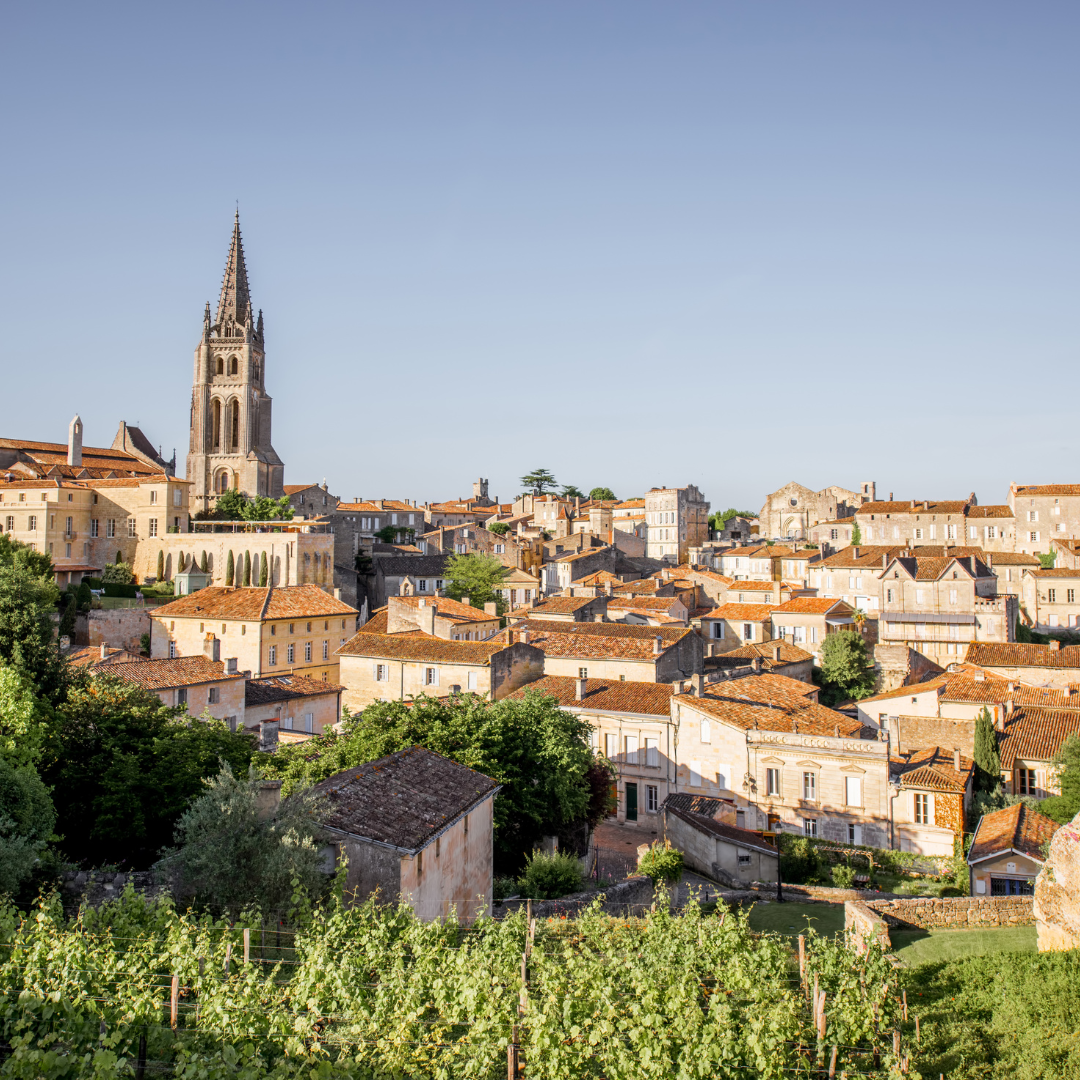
[[677, 519], [791, 511], [1051, 599]]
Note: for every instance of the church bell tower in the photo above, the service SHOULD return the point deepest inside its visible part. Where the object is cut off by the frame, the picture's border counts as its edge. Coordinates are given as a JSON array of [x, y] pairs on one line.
[[230, 410]]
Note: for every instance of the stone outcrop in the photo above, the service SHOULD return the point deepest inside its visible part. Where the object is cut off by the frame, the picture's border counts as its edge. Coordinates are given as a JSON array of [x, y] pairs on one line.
[[1057, 891]]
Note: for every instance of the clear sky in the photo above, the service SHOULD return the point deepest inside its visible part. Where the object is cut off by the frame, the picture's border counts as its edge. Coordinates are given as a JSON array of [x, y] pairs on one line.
[[635, 243]]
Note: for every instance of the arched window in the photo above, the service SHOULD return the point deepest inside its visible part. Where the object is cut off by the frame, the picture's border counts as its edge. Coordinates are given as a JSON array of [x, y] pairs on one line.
[[234, 366], [220, 366], [216, 423], [234, 427]]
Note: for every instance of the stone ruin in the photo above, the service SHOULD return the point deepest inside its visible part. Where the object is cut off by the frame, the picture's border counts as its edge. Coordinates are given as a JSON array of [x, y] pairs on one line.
[[1057, 891]]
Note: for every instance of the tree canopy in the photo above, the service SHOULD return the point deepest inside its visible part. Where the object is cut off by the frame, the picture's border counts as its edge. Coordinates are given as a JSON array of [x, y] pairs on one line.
[[602, 494], [572, 491], [235, 505], [845, 671], [538, 752], [539, 481], [987, 757], [1066, 806], [28, 599], [720, 519], [474, 576]]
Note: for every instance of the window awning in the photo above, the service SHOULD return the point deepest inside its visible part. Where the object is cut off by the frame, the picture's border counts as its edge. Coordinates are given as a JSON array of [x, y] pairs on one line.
[[964, 619]]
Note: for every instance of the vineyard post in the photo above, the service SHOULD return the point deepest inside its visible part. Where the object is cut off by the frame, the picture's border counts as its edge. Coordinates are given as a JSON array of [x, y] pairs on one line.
[[821, 1017], [524, 999], [174, 1002], [247, 945], [896, 1045], [228, 956], [832, 1065], [905, 1006], [802, 960], [512, 1054], [101, 1034], [815, 997], [918, 1036], [140, 1061]]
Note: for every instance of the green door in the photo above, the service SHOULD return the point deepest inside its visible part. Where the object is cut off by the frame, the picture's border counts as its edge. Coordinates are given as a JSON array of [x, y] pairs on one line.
[[631, 802]]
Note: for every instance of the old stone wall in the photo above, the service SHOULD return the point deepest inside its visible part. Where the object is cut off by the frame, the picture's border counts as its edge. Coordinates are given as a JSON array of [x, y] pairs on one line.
[[929, 913], [922, 732], [94, 889], [865, 926], [896, 665], [119, 628], [1057, 891], [631, 897]]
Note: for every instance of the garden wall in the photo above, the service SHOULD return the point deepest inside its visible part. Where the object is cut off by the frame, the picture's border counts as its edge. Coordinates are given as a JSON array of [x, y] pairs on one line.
[[631, 897], [865, 926], [929, 913], [119, 628]]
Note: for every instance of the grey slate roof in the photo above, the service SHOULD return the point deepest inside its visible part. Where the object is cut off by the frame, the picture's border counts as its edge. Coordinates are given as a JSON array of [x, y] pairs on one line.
[[403, 800], [701, 819], [413, 565]]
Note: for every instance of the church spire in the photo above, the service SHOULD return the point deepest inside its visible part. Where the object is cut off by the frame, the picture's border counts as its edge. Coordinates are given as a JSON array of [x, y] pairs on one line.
[[235, 303]]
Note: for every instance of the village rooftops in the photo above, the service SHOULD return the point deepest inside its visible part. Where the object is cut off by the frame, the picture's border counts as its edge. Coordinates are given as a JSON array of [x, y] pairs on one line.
[[1046, 489], [52, 459], [1013, 828], [937, 684], [1034, 734], [226, 604], [642, 603], [813, 605], [603, 695], [934, 569], [174, 671], [1056, 572], [585, 640], [1016, 654], [402, 801], [453, 610], [767, 651], [101, 656], [419, 646], [917, 506], [555, 605], [376, 506], [742, 612], [771, 703], [933, 768], [267, 691]]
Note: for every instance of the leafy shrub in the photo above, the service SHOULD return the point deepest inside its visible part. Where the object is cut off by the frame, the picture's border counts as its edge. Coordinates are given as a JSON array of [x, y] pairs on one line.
[[661, 863], [843, 876], [116, 589], [949, 890], [502, 887], [117, 574], [801, 862], [548, 877]]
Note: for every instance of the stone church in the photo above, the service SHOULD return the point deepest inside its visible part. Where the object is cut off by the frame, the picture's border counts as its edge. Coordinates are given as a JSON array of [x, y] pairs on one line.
[[793, 509], [230, 444]]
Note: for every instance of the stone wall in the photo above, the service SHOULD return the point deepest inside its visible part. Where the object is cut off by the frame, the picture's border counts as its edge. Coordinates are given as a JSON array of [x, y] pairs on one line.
[[922, 732], [1057, 891], [119, 628], [931, 913], [94, 889], [865, 927], [631, 897]]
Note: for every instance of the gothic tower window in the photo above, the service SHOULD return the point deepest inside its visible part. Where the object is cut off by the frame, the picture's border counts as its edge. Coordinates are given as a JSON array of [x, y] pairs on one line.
[[217, 422], [234, 366], [234, 437], [220, 366]]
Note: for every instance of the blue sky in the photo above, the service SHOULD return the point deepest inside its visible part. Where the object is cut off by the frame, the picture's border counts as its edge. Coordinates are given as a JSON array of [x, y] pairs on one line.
[[636, 243]]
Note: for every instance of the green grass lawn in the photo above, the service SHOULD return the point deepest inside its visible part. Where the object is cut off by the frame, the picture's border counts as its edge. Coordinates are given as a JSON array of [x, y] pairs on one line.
[[929, 946], [795, 919]]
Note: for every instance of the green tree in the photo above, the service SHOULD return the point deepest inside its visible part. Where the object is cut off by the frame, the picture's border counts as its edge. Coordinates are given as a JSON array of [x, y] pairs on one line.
[[572, 491], [499, 528], [856, 534], [67, 620], [476, 577], [602, 494], [161, 566], [662, 863], [538, 752], [539, 481], [247, 569], [1047, 559], [548, 877], [230, 568], [27, 819], [123, 767], [204, 564], [117, 573], [1066, 806], [84, 597], [20, 718], [264, 571], [28, 599], [229, 858], [987, 757], [719, 520], [845, 673], [234, 505], [119, 558]]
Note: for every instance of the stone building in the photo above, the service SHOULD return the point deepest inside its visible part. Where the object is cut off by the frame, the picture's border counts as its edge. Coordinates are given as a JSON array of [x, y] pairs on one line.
[[1006, 852], [1054, 665], [230, 443], [1050, 599], [792, 510], [935, 789], [1044, 513], [677, 520], [922, 521]]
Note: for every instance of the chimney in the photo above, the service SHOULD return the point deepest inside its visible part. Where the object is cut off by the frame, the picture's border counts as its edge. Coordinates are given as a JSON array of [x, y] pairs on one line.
[[890, 496], [657, 645], [337, 594], [776, 653], [755, 665], [492, 609], [609, 588], [912, 504], [212, 647], [1012, 688], [1053, 645], [855, 552], [75, 441], [990, 560], [697, 685], [580, 689], [465, 600], [104, 650], [524, 637], [1009, 706], [956, 759], [884, 561], [231, 665], [598, 618]]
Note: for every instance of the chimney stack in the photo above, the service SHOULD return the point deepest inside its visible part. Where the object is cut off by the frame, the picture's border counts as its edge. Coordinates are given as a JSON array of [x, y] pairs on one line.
[[212, 647], [491, 608], [1009, 706], [884, 561], [956, 759], [776, 653], [657, 646], [755, 665], [697, 685], [74, 455], [465, 600], [1053, 645], [855, 552], [104, 650], [524, 637], [580, 689]]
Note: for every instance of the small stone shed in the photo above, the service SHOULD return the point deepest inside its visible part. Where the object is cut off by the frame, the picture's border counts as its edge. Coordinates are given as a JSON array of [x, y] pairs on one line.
[[416, 826], [1006, 852], [735, 857]]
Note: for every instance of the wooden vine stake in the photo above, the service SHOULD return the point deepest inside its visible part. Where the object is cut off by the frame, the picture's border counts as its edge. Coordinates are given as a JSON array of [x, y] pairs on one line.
[[174, 1001], [228, 956], [802, 960], [905, 1006], [821, 1016], [832, 1064], [524, 999], [896, 1045], [247, 946], [512, 1054], [918, 1037]]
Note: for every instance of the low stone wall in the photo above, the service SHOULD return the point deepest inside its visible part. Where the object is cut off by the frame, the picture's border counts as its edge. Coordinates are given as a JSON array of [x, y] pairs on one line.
[[94, 889], [931, 913], [822, 893], [119, 628], [634, 896], [864, 927]]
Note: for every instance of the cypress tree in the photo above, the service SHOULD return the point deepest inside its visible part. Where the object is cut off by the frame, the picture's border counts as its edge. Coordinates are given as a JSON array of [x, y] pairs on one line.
[[247, 569], [67, 620], [230, 567], [203, 564], [987, 757], [264, 572], [119, 558], [161, 566]]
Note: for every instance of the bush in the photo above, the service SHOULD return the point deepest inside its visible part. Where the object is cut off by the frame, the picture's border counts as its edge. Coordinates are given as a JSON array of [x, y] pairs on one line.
[[548, 877], [116, 589], [949, 890], [843, 877], [117, 574], [661, 863], [801, 863], [502, 887]]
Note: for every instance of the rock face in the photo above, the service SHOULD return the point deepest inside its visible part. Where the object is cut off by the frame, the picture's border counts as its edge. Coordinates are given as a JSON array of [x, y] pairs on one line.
[[1057, 891]]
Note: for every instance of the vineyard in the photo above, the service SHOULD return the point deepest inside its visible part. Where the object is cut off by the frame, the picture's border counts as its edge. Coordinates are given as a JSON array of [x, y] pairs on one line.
[[136, 989]]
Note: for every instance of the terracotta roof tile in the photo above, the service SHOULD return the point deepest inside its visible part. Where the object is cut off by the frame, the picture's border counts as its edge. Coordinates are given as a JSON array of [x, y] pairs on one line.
[[991, 511], [557, 605], [1013, 828], [1056, 572], [932, 768], [416, 645], [1016, 654], [922, 506], [1048, 489], [285, 602], [447, 608], [173, 672], [1034, 734], [642, 603], [937, 683], [789, 654], [605, 695], [813, 605], [273, 688], [616, 641], [743, 612]]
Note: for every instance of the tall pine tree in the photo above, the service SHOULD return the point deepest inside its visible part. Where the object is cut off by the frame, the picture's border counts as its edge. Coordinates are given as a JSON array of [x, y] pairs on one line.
[[987, 756], [230, 569], [247, 569]]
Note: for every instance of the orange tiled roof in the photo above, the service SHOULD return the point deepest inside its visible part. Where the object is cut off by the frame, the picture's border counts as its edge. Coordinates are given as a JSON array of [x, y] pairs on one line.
[[936, 683], [605, 695], [251, 604], [417, 645], [812, 605], [753, 586], [1015, 654], [175, 671], [789, 654], [932, 768], [616, 641], [90, 657], [273, 688], [1034, 734], [447, 608], [1048, 489], [377, 623], [1056, 572], [922, 506], [772, 703], [1013, 828], [991, 511], [642, 603], [746, 612], [557, 605]]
